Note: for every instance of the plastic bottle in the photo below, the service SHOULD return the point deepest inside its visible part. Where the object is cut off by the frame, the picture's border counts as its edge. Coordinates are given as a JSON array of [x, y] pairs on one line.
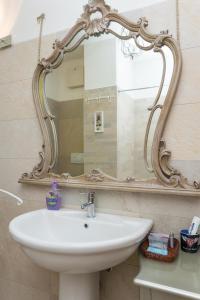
[[194, 226], [53, 200], [171, 240]]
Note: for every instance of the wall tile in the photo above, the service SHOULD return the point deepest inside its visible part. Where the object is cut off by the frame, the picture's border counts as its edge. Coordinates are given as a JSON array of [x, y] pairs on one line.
[[188, 168], [18, 62], [168, 205], [182, 132], [11, 290], [156, 14], [21, 141], [189, 23], [25, 142], [27, 274], [167, 223], [188, 91], [118, 284], [17, 100], [12, 171]]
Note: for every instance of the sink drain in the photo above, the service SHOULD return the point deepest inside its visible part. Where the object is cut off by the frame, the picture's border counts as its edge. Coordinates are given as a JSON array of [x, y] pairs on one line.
[[86, 225]]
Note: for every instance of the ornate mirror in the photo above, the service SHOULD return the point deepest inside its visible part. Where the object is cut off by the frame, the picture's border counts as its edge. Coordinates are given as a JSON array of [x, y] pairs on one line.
[[103, 98]]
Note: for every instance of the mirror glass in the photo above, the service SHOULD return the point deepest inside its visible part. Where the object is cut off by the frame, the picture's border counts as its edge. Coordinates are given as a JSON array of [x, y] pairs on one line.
[[102, 96]]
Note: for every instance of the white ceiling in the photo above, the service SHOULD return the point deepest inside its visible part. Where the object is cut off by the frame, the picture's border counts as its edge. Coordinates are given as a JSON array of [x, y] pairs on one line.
[[19, 16]]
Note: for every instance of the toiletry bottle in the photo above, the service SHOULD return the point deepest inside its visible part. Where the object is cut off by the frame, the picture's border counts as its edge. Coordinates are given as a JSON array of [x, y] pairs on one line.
[[194, 226], [53, 200], [171, 240]]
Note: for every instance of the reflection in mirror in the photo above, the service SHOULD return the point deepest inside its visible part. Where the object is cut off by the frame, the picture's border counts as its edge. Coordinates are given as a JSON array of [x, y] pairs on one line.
[[65, 93], [102, 97]]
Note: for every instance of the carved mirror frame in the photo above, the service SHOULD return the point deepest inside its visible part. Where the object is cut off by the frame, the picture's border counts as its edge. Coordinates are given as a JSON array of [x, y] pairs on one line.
[[168, 179]]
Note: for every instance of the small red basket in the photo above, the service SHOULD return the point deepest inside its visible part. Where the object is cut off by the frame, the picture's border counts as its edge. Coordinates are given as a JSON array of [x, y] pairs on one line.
[[172, 252]]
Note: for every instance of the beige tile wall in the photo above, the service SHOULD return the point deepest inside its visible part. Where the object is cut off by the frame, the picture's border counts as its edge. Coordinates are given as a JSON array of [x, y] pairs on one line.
[[182, 132], [126, 158], [96, 156], [69, 126], [21, 140]]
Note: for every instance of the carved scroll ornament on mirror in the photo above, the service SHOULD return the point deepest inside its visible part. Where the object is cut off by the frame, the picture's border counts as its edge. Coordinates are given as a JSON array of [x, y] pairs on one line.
[[97, 20]]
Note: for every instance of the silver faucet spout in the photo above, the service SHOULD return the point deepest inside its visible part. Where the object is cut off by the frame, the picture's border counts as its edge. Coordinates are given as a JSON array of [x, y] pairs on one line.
[[90, 205]]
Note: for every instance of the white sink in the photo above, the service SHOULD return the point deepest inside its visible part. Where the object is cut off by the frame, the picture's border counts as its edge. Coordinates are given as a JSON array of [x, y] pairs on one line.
[[68, 242]]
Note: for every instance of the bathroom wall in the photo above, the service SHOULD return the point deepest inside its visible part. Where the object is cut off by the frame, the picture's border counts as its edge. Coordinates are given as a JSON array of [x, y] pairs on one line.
[[65, 92], [182, 133], [21, 140], [70, 136], [67, 81], [60, 14], [96, 156], [69, 127], [141, 115], [125, 136], [100, 63]]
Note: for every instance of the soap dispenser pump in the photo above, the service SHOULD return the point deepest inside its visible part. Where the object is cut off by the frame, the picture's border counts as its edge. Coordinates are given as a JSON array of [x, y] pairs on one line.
[[53, 199]]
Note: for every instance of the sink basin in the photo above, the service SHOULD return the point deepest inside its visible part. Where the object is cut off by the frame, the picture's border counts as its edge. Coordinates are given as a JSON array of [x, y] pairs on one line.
[[68, 242]]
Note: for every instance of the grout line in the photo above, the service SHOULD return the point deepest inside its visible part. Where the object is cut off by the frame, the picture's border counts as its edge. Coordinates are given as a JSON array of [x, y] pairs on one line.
[[15, 81], [20, 119], [191, 47], [18, 158], [187, 103]]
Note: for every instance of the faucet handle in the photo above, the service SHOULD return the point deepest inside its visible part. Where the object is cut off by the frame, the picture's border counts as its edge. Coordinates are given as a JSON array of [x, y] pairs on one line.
[[90, 196]]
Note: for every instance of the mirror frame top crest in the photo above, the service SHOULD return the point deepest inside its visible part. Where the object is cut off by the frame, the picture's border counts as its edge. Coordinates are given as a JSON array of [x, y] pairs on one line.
[[167, 179]]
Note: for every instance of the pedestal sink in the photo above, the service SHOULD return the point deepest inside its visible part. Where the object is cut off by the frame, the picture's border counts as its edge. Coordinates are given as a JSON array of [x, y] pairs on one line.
[[78, 247]]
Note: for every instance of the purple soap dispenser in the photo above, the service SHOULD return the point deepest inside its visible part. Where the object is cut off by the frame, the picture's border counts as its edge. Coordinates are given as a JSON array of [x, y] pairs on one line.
[[53, 200]]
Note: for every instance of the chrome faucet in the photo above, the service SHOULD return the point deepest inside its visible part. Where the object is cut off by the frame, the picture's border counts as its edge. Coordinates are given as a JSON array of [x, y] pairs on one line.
[[90, 205]]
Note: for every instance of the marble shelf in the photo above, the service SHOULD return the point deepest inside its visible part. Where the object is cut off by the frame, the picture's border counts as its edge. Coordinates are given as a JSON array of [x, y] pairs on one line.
[[181, 278]]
